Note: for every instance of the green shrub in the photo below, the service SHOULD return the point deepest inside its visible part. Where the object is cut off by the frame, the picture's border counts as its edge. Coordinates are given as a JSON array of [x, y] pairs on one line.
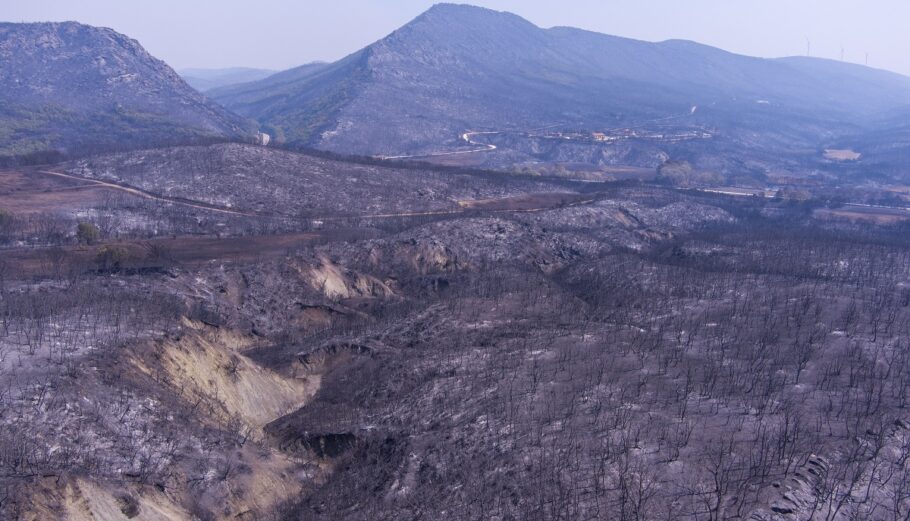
[[87, 233], [112, 258]]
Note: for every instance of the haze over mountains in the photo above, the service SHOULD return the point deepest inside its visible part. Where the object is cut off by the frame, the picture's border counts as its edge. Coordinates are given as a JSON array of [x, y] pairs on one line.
[[587, 278], [459, 79], [458, 68], [208, 79], [71, 87]]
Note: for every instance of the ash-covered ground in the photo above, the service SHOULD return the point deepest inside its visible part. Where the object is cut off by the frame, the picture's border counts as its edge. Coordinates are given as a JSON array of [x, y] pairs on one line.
[[442, 345]]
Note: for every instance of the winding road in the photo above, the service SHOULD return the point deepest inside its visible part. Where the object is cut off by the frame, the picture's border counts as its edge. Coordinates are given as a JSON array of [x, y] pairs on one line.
[[467, 136]]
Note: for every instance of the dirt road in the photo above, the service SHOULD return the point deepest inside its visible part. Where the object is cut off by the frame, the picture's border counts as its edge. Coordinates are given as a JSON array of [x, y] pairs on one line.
[[189, 251], [148, 195], [184, 251]]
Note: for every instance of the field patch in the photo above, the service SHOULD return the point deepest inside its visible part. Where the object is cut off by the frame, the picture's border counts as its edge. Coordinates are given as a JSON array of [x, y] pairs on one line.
[[841, 154]]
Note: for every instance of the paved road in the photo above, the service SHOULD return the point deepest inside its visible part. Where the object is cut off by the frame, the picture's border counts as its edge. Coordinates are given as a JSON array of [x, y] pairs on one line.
[[466, 137]]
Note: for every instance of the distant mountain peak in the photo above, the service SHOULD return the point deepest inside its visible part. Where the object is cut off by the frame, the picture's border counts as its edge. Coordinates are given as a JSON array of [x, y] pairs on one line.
[[460, 14], [448, 8], [458, 68]]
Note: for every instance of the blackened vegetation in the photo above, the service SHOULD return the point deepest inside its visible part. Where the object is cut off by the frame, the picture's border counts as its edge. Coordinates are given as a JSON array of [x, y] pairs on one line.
[[733, 372], [670, 392], [651, 354]]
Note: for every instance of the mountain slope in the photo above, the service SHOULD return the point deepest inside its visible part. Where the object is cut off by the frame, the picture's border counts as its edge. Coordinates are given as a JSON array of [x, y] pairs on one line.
[[294, 104], [458, 68], [885, 146], [72, 87], [208, 79]]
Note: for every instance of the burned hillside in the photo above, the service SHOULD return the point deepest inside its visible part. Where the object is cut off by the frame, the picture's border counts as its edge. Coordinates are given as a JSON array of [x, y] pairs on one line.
[[533, 350]]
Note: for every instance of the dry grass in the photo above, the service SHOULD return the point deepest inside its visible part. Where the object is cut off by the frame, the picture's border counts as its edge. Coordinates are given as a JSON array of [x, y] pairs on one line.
[[27, 192], [869, 215]]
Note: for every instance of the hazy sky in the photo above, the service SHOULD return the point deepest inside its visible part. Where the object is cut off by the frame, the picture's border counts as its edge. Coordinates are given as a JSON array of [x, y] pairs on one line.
[[278, 34]]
